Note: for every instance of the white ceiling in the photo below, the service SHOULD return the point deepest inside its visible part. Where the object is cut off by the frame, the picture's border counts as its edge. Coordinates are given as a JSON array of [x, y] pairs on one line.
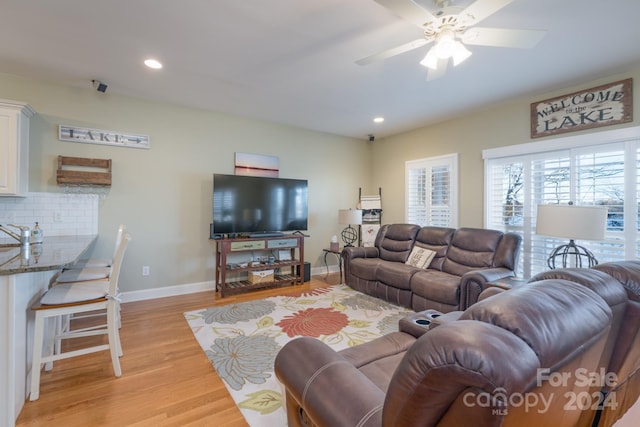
[[292, 61]]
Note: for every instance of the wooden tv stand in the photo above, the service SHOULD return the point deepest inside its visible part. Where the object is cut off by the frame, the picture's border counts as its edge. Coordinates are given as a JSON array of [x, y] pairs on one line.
[[289, 270]]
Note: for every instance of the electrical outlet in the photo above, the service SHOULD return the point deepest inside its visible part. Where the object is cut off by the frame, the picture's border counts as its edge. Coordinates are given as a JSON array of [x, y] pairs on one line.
[[146, 270], [57, 216]]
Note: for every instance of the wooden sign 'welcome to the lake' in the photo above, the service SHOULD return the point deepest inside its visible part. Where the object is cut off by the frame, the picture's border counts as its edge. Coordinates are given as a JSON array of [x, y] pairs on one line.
[[604, 105]]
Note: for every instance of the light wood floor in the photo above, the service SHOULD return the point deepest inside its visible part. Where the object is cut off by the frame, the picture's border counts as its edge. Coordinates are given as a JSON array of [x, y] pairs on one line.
[[166, 378]]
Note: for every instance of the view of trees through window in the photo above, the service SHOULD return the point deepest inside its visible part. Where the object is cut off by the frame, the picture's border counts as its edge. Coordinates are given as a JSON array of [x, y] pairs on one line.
[[599, 175], [598, 182]]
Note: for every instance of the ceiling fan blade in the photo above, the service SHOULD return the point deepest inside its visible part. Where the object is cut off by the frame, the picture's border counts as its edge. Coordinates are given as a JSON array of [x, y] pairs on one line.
[[502, 37], [392, 52], [440, 70], [409, 10], [481, 9]]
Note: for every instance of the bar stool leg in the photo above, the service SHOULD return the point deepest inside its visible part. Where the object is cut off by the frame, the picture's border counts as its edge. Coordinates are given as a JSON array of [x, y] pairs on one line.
[[114, 339], [37, 356]]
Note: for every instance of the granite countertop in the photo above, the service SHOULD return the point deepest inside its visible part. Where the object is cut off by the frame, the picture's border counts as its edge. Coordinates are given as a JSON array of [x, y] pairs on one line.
[[54, 253]]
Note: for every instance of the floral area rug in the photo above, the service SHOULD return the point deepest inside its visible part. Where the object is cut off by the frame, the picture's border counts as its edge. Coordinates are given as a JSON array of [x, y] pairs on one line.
[[242, 340]]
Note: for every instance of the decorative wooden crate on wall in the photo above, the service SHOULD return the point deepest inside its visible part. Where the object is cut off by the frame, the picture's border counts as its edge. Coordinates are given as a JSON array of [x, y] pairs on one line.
[[82, 171]]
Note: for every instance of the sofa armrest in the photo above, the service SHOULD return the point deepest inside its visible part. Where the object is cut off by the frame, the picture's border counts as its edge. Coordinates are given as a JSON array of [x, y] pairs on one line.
[[474, 282], [315, 378], [352, 252], [417, 324]]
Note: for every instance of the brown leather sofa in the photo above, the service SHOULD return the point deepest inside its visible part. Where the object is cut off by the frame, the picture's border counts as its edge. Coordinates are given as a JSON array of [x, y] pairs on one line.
[[619, 284], [509, 360], [465, 260]]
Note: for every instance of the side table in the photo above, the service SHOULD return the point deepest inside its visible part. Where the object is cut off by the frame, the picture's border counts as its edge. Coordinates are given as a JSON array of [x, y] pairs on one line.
[[338, 255]]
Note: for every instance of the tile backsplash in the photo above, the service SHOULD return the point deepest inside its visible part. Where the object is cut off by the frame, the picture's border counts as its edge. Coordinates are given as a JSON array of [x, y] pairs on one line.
[[57, 214]]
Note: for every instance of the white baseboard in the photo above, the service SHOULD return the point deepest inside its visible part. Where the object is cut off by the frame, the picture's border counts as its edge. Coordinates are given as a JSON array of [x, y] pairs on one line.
[[190, 288], [167, 291]]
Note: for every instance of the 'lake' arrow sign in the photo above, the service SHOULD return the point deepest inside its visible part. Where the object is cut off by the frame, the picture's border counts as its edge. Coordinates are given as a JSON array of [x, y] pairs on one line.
[[103, 137]]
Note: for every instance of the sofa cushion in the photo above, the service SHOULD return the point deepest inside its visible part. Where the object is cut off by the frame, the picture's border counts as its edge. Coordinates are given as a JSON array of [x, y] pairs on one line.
[[436, 239], [394, 241], [396, 274], [393, 274], [471, 249], [378, 359], [365, 268], [381, 372], [436, 286]]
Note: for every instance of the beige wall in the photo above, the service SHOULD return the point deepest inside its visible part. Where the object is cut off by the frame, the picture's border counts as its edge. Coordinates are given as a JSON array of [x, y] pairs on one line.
[[494, 126], [163, 194]]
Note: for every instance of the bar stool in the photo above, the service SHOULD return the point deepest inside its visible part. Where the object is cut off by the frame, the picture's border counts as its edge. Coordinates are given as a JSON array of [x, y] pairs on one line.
[[87, 269], [101, 262], [67, 299], [90, 268]]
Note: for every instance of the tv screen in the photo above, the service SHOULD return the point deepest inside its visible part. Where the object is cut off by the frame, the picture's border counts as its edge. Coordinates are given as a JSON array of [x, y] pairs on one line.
[[254, 205]]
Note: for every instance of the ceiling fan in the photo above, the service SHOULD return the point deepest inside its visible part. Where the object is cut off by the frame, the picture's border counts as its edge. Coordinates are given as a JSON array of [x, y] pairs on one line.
[[450, 28]]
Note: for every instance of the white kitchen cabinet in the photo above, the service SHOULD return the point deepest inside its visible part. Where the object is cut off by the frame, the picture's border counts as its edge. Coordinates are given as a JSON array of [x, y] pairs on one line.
[[14, 147]]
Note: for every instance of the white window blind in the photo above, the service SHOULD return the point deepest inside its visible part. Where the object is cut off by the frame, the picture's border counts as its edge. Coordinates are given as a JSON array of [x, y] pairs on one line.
[[431, 189], [602, 175]]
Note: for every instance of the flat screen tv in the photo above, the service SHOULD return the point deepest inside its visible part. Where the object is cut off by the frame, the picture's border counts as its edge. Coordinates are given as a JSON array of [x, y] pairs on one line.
[[258, 205]]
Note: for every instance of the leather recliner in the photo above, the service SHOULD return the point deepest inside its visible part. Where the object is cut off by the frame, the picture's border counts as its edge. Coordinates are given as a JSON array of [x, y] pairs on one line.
[[625, 361], [613, 293], [484, 369]]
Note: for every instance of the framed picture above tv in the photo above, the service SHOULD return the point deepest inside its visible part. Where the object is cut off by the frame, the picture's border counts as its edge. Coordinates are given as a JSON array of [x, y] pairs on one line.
[[257, 165]]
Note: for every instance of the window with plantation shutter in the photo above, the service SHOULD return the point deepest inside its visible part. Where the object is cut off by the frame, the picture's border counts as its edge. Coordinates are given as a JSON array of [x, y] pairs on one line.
[[431, 189], [591, 174]]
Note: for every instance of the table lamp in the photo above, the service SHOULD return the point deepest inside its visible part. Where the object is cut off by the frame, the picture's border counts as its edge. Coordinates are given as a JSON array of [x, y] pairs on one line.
[[349, 217], [573, 223]]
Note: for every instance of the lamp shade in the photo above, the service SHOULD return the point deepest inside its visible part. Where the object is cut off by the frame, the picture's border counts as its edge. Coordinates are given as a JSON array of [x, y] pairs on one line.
[[350, 216], [572, 222]]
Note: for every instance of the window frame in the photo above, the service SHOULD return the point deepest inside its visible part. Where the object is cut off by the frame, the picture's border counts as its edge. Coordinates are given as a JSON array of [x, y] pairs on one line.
[[449, 161], [626, 139]]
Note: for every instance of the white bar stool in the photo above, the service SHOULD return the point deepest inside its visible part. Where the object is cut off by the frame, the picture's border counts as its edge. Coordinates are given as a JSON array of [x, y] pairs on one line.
[[66, 299], [87, 270], [75, 272]]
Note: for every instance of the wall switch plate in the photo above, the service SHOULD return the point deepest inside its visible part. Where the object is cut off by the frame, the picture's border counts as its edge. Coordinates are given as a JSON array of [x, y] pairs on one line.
[[57, 216], [146, 270]]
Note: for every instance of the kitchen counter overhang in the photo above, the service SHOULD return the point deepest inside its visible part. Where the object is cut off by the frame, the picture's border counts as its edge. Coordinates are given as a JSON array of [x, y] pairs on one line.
[[54, 253]]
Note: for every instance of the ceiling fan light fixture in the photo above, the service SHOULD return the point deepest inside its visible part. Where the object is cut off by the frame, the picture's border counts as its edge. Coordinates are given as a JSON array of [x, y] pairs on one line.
[[446, 47], [460, 53], [445, 44], [431, 59]]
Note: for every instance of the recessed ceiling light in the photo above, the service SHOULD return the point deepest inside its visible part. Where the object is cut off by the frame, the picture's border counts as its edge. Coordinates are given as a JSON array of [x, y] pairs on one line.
[[153, 63], [378, 120]]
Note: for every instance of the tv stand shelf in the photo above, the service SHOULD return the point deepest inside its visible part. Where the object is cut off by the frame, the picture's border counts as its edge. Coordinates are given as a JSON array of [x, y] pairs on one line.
[[290, 271]]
